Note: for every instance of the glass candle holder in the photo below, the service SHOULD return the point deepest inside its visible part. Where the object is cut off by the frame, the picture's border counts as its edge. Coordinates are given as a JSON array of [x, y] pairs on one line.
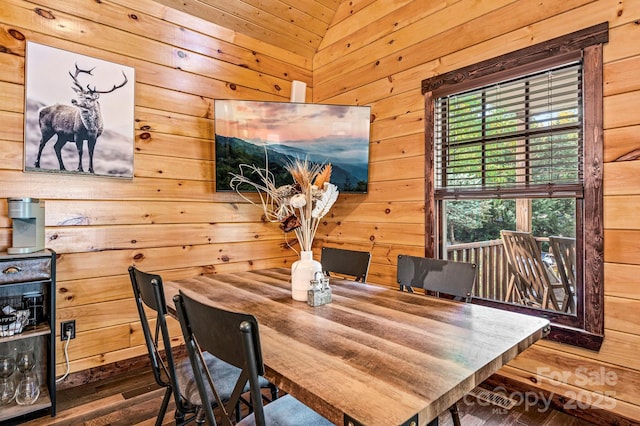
[[7, 364], [7, 390], [28, 389], [25, 360]]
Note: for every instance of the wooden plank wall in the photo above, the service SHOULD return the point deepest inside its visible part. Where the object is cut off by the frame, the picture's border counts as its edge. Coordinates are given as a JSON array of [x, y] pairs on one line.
[[376, 53], [167, 219]]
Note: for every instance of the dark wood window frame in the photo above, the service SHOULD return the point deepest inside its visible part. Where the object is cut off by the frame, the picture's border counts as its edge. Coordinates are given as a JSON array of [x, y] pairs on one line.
[[586, 328]]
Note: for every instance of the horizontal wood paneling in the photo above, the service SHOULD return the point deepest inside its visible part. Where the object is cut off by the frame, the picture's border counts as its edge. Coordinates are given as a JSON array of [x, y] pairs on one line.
[[249, 20], [406, 212], [621, 246], [402, 168], [621, 144], [354, 66], [624, 38], [85, 265], [100, 315], [82, 291], [574, 399], [397, 190], [622, 280], [380, 52], [12, 97], [165, 99], [43, 185], [155, 23], [168, 218], [618, 349], [147, 71], [623, 314], [102, 359], [620, 212], [617, 110], [400, 125], [137, 336], [355, 8], [77, 239], [619, 77], [109, 212], [580, 372], [141, 45], [12, 129], [621, 178], [96, 342], [403, 146], [172, 123], [262, 50], [11, 155], [168, 145], [174, 168], [437, 35], [374, 53], [385, 233], [405, 102]]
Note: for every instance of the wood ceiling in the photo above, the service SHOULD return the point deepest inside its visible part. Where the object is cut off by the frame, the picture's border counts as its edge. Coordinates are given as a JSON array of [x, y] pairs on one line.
[[294, 25]]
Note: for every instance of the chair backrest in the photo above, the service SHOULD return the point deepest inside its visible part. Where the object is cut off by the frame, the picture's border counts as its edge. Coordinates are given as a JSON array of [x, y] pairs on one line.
[[148, 292], [230, 336], [564, 252], [525, 263], [347, 262], [441, 276]]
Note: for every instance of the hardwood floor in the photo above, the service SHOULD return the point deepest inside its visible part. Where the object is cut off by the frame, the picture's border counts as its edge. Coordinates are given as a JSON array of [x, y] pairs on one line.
[[134, 398]]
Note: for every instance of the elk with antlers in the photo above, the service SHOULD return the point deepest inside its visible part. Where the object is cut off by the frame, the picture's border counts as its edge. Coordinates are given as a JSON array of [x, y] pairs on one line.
[[77, 123]]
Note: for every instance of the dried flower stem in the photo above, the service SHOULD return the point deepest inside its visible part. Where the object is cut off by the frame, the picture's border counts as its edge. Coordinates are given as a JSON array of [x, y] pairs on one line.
[[311, 182]]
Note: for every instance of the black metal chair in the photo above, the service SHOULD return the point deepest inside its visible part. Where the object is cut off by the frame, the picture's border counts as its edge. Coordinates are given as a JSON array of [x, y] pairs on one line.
[[234, 337], [441, 277], [346, 262], [177, 379], [438, 276]]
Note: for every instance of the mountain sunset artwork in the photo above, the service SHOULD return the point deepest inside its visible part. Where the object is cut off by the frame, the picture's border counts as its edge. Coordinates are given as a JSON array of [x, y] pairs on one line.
[[254, 132]]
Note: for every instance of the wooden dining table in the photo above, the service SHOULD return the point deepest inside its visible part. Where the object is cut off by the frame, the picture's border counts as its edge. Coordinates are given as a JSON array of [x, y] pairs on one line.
[[374, 355]]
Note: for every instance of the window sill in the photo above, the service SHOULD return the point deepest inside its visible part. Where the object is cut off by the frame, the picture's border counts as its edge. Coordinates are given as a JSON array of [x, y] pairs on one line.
[[561, 333]]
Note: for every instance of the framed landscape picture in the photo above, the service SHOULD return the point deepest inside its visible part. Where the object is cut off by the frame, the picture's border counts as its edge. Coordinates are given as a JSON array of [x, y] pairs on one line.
[[248, 131], [79, 114]]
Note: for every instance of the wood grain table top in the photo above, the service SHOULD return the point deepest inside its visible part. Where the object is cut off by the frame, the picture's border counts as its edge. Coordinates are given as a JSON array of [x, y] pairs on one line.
[[374, 355]]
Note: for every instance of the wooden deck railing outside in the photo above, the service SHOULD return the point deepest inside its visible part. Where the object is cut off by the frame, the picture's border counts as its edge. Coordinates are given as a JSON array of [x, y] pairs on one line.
[[493, 273], [493, 270]]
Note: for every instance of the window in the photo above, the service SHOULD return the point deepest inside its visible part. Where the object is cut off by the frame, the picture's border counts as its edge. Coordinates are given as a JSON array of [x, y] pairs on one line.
[[509, 150], [515, 144]]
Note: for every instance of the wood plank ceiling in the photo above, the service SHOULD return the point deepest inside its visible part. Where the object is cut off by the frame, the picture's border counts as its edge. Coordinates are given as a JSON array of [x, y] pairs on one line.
[[294, 25]]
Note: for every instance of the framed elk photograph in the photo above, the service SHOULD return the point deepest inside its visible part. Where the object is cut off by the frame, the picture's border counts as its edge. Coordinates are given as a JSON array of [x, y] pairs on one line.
[[79, 114]]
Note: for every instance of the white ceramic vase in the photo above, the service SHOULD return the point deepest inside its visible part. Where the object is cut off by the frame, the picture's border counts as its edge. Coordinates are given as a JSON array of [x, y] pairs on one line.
[[302, 272]]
